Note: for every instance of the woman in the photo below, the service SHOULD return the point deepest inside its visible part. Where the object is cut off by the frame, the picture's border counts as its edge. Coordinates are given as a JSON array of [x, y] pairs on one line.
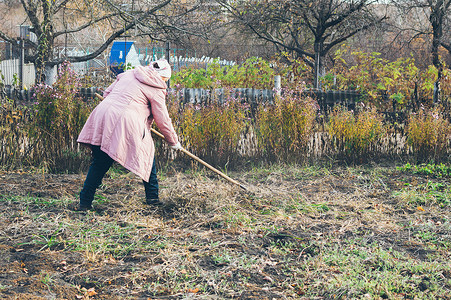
[[118, 129]]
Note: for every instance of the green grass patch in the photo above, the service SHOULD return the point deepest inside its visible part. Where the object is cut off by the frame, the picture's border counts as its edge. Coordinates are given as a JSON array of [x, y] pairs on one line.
[[35, 200], [433, 170], [355, 270], [429, 193]]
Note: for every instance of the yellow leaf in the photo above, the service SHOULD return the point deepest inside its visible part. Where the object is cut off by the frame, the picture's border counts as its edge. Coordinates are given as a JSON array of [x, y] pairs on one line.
[[91, 292], [420, 208]]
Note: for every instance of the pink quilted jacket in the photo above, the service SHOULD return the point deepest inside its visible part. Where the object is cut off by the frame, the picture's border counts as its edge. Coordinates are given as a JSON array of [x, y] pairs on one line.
[[120, 124]]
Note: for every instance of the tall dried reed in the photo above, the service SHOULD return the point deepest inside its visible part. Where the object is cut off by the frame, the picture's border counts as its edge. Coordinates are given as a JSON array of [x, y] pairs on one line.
[[284, 127], [57, 116], [428, 134], [356, 135], [12, 134], [213, 130]]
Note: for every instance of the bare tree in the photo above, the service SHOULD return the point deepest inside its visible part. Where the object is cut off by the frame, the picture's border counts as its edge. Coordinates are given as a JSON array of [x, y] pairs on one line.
[[446, 39], [220, 38], [308, 28], [437, 13], [53, 19]]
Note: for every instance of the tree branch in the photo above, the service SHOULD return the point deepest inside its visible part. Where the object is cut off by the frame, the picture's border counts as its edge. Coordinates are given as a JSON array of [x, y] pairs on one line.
[[84, 26], [277, 42], [330, 45], [446, 46], [345, 14], [61, 5], [7, 38], [95, 53], [31, 10]]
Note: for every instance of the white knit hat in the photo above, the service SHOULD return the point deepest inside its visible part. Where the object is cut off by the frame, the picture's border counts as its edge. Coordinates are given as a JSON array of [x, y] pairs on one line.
[[162, 67]]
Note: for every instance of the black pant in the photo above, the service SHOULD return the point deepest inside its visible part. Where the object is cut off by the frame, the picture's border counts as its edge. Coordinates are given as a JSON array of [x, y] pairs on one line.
[[100, 164]]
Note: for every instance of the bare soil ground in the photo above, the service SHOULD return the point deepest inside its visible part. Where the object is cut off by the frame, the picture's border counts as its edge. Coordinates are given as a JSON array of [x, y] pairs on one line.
[[369, 232]]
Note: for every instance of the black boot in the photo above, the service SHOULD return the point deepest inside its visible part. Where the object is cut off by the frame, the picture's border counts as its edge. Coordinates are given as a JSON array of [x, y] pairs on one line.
[[154, 202], [78, 207]]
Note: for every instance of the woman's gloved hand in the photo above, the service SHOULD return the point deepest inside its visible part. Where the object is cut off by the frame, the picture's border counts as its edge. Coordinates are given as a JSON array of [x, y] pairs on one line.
[[176, 146]]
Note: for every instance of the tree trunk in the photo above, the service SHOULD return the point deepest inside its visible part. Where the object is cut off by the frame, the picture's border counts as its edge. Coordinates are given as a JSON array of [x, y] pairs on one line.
[[436, 19], [319, 64], [50, 73]]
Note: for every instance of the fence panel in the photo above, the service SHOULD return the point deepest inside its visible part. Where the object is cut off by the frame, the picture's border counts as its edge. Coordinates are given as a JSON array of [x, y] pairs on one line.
[[325, 99], [253, 97], [9, 70], [328, 99]]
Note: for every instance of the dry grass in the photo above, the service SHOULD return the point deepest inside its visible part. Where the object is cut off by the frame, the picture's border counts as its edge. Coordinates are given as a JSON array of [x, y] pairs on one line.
[[299, 232]]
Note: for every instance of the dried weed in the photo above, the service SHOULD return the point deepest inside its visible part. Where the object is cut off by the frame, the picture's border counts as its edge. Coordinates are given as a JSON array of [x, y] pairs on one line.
[[297, 232]]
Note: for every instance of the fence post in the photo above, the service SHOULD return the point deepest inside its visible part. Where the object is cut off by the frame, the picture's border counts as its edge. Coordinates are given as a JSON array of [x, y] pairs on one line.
[[277, 84], [168, 49], [21, 62]]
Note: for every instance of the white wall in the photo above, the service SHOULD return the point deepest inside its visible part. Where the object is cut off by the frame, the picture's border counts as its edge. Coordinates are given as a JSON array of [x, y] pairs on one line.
[[132, 57]]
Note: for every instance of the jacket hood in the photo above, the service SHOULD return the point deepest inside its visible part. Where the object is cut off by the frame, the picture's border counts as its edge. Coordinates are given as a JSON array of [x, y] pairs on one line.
[[149, 76]]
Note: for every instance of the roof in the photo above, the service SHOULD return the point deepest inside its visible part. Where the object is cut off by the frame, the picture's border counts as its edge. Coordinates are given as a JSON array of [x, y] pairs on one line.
[[117, 55]]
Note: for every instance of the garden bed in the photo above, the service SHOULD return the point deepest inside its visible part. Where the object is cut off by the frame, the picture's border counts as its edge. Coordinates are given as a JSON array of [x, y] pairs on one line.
[[299, 232]]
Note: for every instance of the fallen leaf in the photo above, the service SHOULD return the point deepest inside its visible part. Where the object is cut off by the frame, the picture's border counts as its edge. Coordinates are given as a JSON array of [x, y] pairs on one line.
[[420, 208], [91, 292]]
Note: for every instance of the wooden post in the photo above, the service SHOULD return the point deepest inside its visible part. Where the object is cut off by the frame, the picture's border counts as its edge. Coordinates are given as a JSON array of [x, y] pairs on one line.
[[21, 62], [277, 84], [168, 49]]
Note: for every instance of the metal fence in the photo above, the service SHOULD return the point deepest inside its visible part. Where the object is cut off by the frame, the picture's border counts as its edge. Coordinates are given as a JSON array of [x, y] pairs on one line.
[[325, 99], [26, 97], [328, 99], [198, 96], [179, 62]]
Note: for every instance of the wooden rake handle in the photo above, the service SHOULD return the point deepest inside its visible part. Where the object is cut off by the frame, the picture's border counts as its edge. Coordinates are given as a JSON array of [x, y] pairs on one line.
[[203, 162], [195, 157]]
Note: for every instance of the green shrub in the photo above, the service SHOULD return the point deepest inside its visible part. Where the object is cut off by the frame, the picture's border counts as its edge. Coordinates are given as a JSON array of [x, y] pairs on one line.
[[295, 72], [355, 135], [253, 73], [386, 84], [428, 134]]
